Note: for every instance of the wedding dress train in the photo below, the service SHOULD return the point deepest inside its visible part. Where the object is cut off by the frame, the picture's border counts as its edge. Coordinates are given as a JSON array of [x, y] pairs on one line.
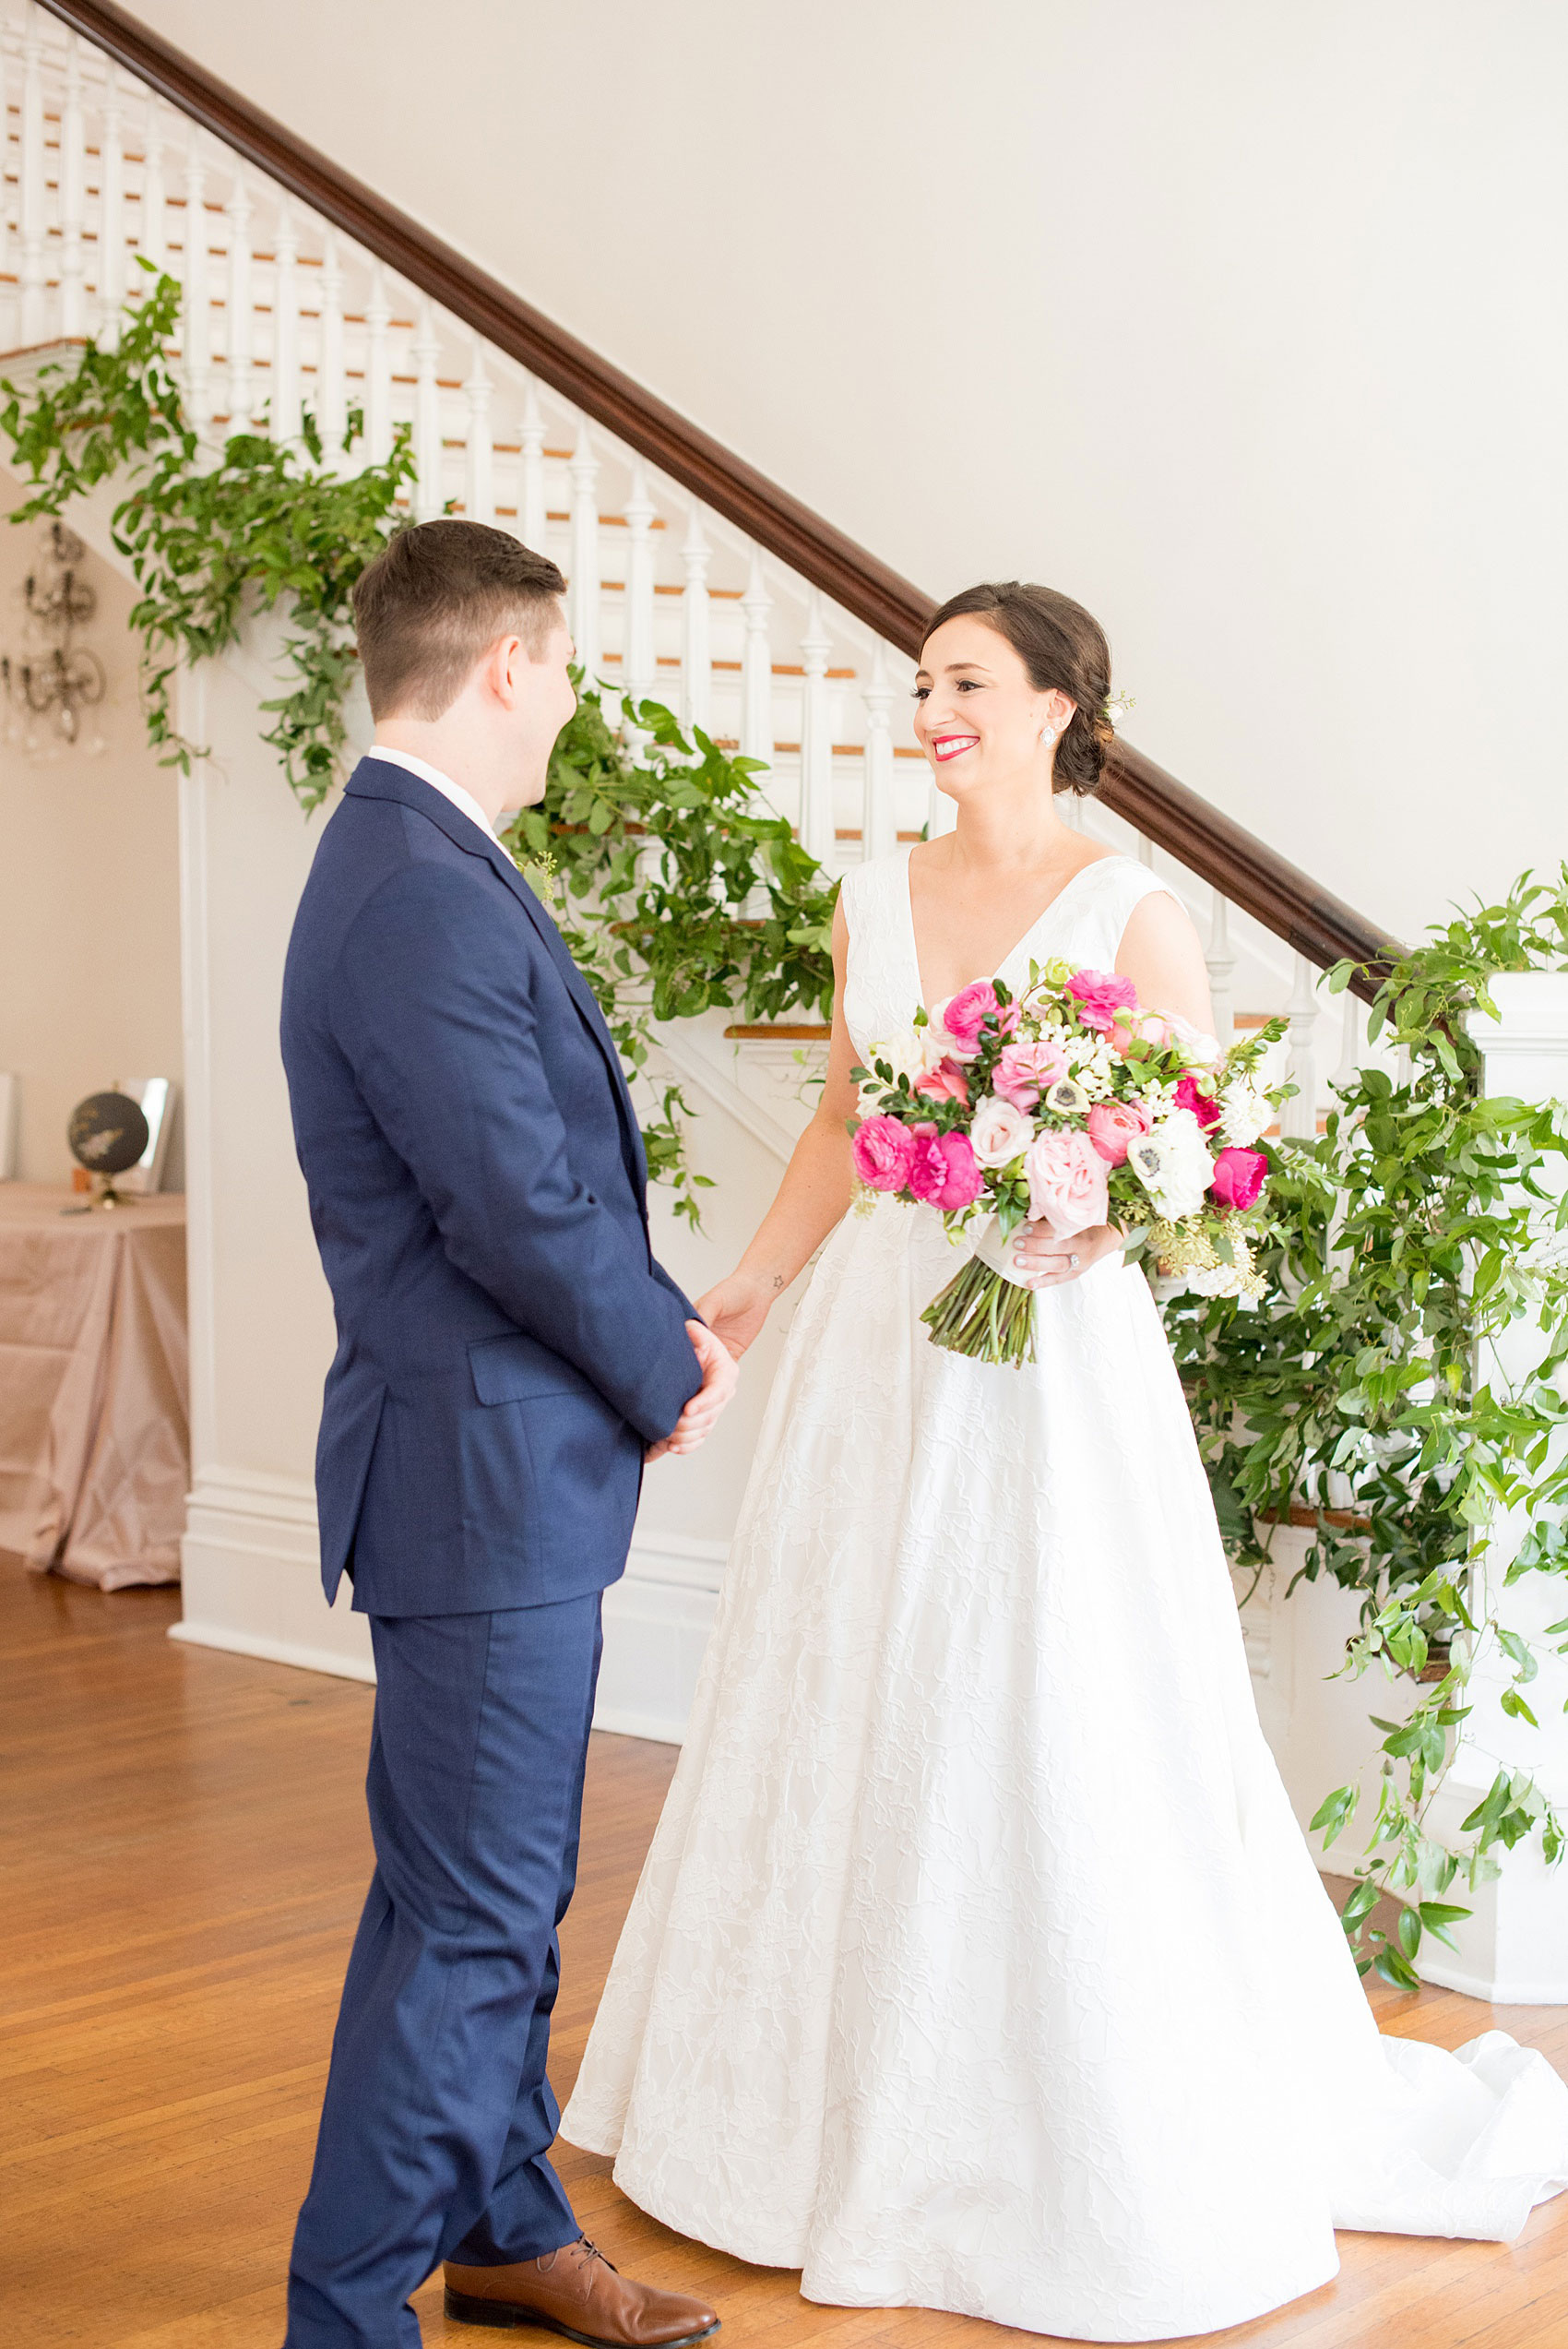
[[978, 1962]]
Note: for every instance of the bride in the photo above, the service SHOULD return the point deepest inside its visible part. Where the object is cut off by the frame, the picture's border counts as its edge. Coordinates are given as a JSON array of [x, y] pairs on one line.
[[978, 1962]]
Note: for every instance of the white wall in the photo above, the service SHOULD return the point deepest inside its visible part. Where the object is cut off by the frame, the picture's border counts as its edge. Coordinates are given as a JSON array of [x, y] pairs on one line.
[[90, 904], [1239, 319]]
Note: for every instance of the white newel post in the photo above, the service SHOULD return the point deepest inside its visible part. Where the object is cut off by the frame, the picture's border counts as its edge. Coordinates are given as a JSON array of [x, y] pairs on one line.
[[33, 194], [816, 826], [73, 197], [1514, 1950], [582, 562], [880, 823], [112, 214], [198, 304]]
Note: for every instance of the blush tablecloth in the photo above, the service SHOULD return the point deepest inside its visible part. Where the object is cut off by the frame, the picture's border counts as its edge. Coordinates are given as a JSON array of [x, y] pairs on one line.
[[95, 1386]]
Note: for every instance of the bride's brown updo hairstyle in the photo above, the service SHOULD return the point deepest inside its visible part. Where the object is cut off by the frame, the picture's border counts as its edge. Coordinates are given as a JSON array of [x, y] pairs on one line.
[[1063, 649]]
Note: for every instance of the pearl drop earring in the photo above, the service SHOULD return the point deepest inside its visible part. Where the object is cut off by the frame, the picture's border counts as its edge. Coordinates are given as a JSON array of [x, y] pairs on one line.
[[1047, 736]]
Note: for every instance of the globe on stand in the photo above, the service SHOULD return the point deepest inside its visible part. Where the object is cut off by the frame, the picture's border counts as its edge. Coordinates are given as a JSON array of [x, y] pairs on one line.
[[107, 1134]]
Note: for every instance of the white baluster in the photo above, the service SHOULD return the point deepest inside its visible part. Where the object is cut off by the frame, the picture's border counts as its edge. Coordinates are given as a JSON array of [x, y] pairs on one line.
[[880, 822], [112, 214], [816, 826], [152, 242], [582, 580], [10, 321], [696, 649], [241, 320], [1353, 1041], [1301, 1112], [73, 196], [331, 378], [757, 666], [532, 523], [479, 494], [427, 499], [1221, 961], [284, 402], [33, 195], [638, 662], [1145, 851], [377, 369], [197, 310]]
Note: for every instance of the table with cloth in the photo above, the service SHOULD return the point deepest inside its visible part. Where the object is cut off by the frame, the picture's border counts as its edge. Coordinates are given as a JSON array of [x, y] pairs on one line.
[[95, 1386]]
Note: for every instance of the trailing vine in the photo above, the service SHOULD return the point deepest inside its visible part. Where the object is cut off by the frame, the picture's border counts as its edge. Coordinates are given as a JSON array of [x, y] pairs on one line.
[[1405, 1236], [1407, 1239]]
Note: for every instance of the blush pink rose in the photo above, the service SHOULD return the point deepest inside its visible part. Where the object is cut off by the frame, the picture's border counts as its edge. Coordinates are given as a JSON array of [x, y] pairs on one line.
[[947, 1082], [1188, 1096], [1238, 1176], [1115, 1126], [883, 1149], [1147, 1025], [1100, 995], [1068, 1184], [968, 1012], [1025, 1072]]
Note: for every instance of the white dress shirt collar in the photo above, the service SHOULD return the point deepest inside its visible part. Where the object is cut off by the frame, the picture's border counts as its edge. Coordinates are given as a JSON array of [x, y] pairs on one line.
[[465, 802]]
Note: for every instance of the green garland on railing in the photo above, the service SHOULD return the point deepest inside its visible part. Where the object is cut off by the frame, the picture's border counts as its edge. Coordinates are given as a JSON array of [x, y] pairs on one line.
[[1402, 1236]]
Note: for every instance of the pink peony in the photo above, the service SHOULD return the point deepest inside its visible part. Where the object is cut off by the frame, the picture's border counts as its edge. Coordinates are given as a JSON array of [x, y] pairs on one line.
[[1115, 1126], [967, 1012], [883, 1149], [1100, 995], [1067, 1183], [947, 1082], [943, 1170], [1188, 1096], [1025, 1072], [1238, 1176]]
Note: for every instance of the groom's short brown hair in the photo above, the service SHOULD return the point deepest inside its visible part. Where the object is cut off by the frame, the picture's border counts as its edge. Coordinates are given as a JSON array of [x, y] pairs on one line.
[[434, 599]]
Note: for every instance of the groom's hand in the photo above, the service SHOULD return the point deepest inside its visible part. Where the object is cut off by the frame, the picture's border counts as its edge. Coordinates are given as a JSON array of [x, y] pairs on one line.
[[719, 1379]]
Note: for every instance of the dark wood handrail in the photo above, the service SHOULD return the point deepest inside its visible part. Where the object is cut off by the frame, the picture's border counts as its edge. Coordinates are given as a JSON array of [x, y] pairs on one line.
[[1278, 893]]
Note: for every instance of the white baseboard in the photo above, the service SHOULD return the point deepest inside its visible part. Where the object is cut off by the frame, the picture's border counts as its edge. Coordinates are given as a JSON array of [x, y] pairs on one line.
[[252, 1580]]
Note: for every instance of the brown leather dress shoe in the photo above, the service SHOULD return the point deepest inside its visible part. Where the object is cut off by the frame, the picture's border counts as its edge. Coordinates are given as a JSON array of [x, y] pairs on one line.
[[576, 2291]]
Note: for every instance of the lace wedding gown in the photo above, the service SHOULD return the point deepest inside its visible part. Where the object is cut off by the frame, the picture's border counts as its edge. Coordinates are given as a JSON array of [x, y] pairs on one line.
[[978, 1962]]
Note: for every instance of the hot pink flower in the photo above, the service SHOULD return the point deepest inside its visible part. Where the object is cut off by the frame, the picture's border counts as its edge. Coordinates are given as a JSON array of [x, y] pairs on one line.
[[1068, 1185], [1025, 1072], [928, 1167], [967, 1013], [1238, 1176], [883, 1149], [1115, 1126], [966, 1177], [943, 1170], [1101, 996], [1188, 1096], [946, 1083]]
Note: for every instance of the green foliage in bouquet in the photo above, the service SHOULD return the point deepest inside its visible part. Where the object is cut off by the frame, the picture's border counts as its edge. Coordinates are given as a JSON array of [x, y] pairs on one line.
[[1422, 1223]]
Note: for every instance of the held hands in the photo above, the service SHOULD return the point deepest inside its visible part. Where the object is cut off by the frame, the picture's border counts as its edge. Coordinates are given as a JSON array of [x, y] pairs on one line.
[[1050, 1261], [720, 1378]]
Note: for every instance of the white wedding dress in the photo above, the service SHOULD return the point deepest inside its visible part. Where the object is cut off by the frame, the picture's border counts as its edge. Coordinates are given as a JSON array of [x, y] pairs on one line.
[[978, 1962]]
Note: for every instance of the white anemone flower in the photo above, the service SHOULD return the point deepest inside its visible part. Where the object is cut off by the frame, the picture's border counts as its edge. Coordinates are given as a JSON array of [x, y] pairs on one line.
[[1173, 1165]]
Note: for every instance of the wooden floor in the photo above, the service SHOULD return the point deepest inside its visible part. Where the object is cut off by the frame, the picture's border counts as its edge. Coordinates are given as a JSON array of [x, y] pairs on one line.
[[182, 1852]]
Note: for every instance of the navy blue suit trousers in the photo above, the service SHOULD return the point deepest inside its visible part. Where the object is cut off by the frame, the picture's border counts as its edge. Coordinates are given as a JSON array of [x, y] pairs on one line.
[[438, 2114]]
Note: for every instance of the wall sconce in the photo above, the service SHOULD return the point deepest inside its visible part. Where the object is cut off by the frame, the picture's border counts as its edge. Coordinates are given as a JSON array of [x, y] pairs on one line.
[[54, 673]]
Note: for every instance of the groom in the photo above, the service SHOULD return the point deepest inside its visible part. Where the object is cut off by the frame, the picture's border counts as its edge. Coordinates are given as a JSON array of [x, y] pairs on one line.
[[508, 1354]]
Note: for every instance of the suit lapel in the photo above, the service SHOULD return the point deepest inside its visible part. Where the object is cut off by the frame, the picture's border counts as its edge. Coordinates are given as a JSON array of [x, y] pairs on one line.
[[382, 778]]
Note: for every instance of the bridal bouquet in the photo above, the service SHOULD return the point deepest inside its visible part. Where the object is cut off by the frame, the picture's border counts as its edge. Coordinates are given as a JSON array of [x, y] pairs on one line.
[[1073, 1105]]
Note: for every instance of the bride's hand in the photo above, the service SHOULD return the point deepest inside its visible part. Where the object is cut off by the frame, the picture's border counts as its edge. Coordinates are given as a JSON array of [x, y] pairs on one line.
[[1050, 1261], [736, 1309]]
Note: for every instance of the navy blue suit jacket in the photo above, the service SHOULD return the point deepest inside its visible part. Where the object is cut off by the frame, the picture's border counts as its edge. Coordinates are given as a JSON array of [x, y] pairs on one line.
[[506, 1343]]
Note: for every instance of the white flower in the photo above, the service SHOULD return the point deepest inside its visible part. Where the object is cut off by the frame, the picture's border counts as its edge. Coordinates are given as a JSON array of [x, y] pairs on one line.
[[999, 1132], [913, 1051], [1198, 1049], [1244, 1112], [1067, 1098], [1094, 1066], [1173, 1165]]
